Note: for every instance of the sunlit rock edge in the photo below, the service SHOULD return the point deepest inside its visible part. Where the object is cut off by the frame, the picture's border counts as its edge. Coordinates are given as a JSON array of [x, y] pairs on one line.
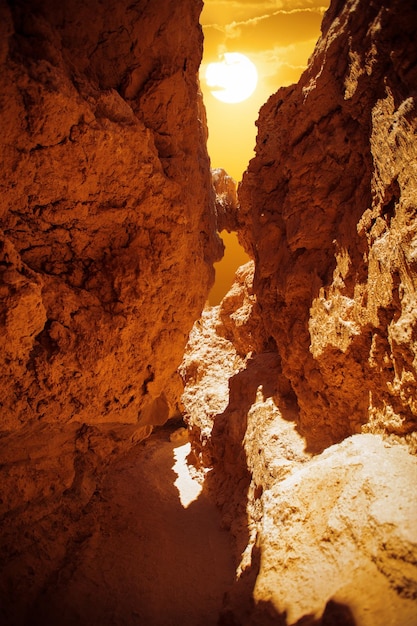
[[300, 387]]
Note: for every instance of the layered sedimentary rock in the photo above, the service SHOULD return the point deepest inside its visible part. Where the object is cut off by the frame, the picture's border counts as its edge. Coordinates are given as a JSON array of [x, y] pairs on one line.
[[313, 443], [107, 243]]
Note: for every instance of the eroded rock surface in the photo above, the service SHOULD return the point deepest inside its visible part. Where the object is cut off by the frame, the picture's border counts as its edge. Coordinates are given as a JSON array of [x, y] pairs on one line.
[[300, 387], [312, 441], [344, 532], [225, 189], [107, 240], [328, 211], [107, 210], [326, 539]]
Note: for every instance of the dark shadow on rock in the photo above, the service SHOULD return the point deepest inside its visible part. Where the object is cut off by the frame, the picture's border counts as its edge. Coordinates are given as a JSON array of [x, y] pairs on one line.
[[335, 614], [264, 614], [238, 601], [229, 482], [230, 478], [148, 560]]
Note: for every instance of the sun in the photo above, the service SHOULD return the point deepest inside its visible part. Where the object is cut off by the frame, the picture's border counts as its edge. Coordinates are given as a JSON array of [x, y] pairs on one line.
[[233, 78]]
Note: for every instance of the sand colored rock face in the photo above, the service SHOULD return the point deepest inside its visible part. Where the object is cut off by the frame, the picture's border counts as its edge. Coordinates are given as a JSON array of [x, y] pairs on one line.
[[328, 210], [300, 388], [327, 539], [107, 217], [343, 533], [107, 244]]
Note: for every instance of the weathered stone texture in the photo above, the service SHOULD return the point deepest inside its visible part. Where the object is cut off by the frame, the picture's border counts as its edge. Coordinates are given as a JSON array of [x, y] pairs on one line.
[[342, 531], [300, 388], [312, 443], [328, 211], [107, 244], [327, 539], [225, 189], [107, 212]]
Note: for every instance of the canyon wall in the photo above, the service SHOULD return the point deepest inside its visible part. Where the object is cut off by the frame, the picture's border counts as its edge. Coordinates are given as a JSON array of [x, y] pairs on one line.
[[107, 211], [107, 245], [329, 215], [301, 387]]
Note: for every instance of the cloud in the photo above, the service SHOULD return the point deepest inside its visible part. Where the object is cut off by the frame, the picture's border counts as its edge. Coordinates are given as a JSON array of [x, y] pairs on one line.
[[277, 35], [294, 57], [264, 31], [246, 6], [228, 29]]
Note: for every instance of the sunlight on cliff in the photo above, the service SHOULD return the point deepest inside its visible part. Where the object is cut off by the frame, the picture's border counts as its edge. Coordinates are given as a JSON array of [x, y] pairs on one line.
[[189, 488]]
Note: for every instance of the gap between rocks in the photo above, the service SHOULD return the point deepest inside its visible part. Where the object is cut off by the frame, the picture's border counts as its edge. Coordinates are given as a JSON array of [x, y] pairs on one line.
[[149, 561]]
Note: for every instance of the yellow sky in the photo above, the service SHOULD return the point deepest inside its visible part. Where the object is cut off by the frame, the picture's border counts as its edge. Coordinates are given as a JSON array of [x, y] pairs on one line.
[[278, 36]]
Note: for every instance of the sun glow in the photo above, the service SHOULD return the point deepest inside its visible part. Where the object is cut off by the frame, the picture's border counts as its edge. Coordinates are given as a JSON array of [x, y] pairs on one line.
[[189, 488], [233, 78]]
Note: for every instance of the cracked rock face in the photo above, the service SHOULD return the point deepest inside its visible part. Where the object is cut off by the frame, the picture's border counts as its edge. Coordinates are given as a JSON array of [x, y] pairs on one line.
[[107, 217], [343, 533], [107, 240], [320, 539], [328, 211]]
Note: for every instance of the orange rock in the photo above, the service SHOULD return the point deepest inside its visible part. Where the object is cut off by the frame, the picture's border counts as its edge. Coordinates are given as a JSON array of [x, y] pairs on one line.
[[226, 200], [328, 209], [107, 203], [107, 243], [312, 438]]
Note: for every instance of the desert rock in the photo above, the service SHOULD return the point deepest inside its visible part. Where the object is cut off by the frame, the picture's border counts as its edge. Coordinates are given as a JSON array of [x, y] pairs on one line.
[[107, 214], [311, 436], [107, 244], [300, 387], [328, 211]]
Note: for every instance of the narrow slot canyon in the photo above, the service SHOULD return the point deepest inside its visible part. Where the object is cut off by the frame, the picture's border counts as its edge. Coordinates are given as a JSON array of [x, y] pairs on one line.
[[177, 448], [153, 551]]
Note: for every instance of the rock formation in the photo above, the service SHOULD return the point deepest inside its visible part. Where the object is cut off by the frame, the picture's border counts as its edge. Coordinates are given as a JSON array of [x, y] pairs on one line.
[[106, 207], [108, 240], [300, 389], [328, 213], [313, 445], [226, 200]]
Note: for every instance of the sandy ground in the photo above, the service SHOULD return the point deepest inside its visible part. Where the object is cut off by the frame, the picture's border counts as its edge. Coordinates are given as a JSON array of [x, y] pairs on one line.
[[150, 561]]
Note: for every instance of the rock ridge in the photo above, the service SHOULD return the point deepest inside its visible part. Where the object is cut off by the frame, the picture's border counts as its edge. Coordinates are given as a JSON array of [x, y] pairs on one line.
[[300, 387], [328, 213]]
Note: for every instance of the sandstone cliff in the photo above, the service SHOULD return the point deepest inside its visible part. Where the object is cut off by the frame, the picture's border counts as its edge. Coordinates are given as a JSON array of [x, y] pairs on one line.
[[301, 387], [107, 211], [107, 243], [329, 214]]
